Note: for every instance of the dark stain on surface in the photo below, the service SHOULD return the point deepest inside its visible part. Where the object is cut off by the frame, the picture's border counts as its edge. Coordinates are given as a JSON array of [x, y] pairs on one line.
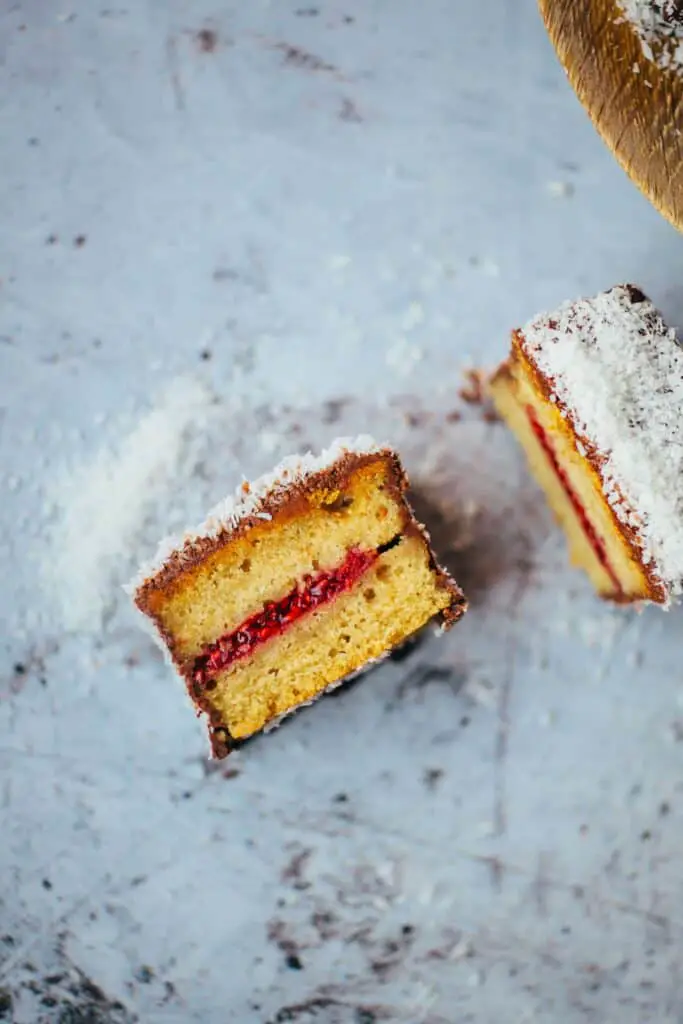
[[294, 870], [6, 1004], [393, 953], [431, 778], [32, 665], [207, 40], [413, 419], [296, 57], [541, 884], [213, 767], [677, 731], [252, 274], [74, 998], [319, 1007], [278, 933], [497, 870], [333, 408], [349, 111], [325, 923], [422, 676], [225, 274]]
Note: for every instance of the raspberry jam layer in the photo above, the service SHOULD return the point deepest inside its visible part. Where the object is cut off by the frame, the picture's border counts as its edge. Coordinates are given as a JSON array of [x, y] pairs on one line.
[[277, 616], [595, 542]]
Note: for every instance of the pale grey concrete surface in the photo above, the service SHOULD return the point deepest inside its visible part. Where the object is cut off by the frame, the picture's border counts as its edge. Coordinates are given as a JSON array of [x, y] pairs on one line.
[[344, 200]]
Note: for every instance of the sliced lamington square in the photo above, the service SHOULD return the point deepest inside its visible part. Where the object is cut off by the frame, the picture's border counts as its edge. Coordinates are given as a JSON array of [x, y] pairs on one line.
[[303, 578], [594, 393]]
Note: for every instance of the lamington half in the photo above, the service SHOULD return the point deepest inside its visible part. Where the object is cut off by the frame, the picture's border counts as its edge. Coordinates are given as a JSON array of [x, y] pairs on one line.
[[300, 580], [594, 394]]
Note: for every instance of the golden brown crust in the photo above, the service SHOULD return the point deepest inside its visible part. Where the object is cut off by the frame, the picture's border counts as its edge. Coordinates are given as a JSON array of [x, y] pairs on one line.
[[655, 588]]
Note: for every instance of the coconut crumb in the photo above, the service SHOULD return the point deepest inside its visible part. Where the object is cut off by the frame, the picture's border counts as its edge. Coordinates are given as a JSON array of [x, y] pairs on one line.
[[473, 391]]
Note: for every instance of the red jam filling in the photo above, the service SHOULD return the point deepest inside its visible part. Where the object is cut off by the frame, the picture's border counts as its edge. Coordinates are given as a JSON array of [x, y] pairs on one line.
[[276, 616], [595, 542]]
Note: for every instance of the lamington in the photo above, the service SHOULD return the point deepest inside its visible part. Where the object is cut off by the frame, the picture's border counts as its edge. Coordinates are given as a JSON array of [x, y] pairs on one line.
[[594, 394], [294, 584]]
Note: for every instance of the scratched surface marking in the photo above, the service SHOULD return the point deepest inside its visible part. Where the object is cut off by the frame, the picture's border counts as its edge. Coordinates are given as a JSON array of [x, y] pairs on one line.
[[320, 214]]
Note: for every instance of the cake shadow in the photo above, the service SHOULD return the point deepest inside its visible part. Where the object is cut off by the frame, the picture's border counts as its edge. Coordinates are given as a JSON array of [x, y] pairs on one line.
[[477, 545]]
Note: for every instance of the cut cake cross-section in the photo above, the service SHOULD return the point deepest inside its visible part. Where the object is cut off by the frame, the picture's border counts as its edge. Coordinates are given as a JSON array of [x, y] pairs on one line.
[[301, 580], [594, 393]]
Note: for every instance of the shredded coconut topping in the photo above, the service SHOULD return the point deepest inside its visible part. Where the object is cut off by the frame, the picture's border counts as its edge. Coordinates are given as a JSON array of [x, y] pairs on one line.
[[660, 28], [616, 371], [250, 496]]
